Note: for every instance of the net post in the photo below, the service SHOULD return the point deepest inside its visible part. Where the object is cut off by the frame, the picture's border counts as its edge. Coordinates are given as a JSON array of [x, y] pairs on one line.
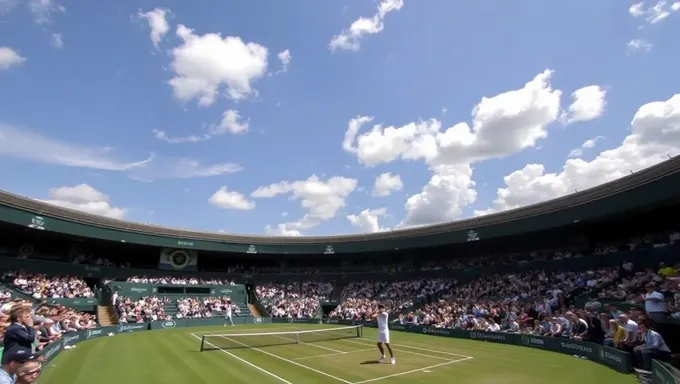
[[297, 338], [202, 342]]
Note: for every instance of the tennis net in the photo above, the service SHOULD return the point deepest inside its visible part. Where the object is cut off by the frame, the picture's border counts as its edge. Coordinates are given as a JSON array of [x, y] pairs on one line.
[[269, 339]]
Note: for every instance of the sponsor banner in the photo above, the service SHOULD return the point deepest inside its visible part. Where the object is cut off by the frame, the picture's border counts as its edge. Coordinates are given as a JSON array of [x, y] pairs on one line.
[[664, 374], [127, 328], [181, 323], [51, 350], [82, 303], [94, 333], [72, 338]]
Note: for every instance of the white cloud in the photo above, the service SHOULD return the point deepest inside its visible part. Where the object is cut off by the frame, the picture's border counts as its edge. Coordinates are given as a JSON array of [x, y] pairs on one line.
[[588, 144], [655, 12], [204, 64], [7, 5], [588, 103], [158, 23], [443, 198], [32, 146], [43, 10], [231, 123], [387, 183], [285, 58], [655, 135], [57, 41], [367, 220], [9, 58], [503, 124], [638, 46], [321, 199], [84, 198], [350, 39], [226, 199]]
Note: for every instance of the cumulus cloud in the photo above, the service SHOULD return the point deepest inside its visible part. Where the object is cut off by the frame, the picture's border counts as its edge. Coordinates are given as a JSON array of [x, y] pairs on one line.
[[158, 24], [321, 199], [9, 58], [367, 220], [653, 12], [43, 10], [84, 198], [654, 137], [501, 125], [203, 65], [225, 199], [57, 41], [231, 122], [590, 143], [387, 183], [638, 46], [588, 103], [32, 146], [285, 58], [350, 39]]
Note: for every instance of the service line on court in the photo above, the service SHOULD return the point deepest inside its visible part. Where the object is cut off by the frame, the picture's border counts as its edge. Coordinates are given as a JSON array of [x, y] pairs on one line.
[[334, 354], [364, 341], [412, 371], [244, 361], [289, 361]]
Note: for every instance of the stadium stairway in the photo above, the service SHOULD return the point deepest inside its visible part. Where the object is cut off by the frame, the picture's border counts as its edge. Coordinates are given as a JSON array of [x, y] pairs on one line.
[[338, 287], [253, 310], [105, 315]]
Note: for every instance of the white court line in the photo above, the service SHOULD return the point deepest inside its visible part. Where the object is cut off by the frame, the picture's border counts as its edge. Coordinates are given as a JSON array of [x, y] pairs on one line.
[[418, 348], [290, 361], [412, 371], [247, 362], [405, 351], [333, 354]]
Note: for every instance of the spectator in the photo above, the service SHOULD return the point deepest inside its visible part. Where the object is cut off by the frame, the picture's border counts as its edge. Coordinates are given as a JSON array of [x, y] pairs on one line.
[[177, 280], [41, 286], [12, 360], [653, 347], [20, 332], [28, 372], [655, 305]]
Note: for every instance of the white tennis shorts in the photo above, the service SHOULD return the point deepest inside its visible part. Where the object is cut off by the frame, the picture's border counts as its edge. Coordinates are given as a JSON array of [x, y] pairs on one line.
[[383, 337]]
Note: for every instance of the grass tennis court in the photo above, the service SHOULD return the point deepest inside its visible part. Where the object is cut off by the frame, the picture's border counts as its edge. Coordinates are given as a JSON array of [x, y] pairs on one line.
[[174, 356]]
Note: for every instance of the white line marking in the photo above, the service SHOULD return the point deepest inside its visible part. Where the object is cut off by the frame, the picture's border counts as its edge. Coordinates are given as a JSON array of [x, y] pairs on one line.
[[333, 354], [405, 351], [420, 349], [290, 361], [412, 371], [246, 362]]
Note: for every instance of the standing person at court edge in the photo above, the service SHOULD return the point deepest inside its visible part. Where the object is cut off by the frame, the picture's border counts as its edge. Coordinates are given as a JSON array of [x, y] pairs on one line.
[[384, 334], [227, 318], [655, 306], [20, 332]]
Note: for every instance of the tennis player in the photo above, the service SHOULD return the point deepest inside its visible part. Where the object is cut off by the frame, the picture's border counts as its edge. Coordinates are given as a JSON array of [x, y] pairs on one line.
[[382, 318], [227, 318]]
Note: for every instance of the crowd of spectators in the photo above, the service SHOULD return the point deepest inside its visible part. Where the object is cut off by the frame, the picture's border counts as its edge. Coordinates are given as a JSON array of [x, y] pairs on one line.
[[149, 308], [41, 286], [176, 280], [294, 299], [204, 307]]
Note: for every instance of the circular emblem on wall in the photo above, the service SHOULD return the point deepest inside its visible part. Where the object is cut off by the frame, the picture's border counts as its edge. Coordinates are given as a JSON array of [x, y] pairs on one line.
[[525, 340], [258, 320], [424, 330], [169, 324], [179, 259], [26, 250], [473, 335]]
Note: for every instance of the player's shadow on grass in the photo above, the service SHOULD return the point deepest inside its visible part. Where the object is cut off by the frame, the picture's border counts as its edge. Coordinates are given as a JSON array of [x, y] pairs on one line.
[[369, 362]]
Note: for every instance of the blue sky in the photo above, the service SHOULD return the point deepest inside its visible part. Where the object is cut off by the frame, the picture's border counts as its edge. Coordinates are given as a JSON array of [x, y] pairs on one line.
[[279, 118]]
